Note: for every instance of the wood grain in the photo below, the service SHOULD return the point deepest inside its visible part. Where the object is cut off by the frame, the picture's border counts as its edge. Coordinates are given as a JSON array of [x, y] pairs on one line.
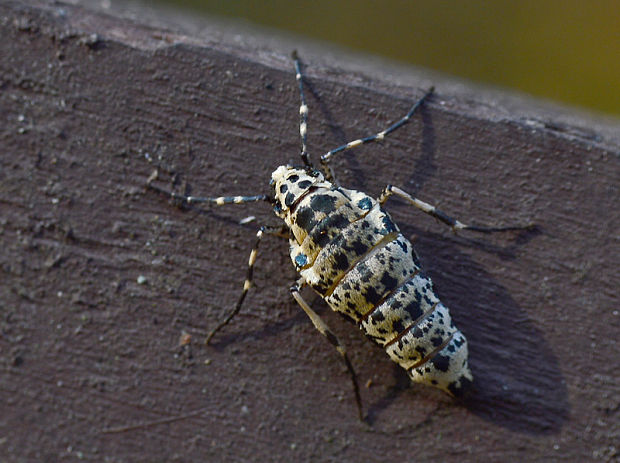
[[100, 278]]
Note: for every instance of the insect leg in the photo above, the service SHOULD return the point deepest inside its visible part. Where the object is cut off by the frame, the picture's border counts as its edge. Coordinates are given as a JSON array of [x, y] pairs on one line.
[[278, 231], [440, 215], [379, 135], [320, 325], [218, 201]]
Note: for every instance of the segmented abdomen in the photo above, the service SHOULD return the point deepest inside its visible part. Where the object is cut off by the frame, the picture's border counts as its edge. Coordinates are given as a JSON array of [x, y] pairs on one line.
[[349, 250]]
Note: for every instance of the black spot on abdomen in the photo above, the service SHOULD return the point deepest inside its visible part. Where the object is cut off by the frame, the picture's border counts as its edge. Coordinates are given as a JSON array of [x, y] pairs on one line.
[[441, 362]]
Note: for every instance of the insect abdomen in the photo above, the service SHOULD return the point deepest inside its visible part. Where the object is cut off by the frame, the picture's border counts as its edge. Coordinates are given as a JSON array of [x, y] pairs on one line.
[[354, 256]]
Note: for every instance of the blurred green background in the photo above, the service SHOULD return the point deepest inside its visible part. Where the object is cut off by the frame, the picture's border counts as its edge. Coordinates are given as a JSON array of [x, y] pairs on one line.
[[568, 51]]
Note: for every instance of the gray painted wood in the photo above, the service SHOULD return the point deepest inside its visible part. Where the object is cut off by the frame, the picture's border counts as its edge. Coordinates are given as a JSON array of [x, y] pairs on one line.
[[92, 360]]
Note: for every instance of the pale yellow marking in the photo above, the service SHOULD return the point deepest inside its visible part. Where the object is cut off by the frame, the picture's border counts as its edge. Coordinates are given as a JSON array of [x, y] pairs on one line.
[[247, 285], [318, 323], [152, 177], [219, 201], [415, 201], [303, 129], [303, 110], [248, 219], [422, 205], [354, 143], [252, 257], [380, 136], [459, 225]]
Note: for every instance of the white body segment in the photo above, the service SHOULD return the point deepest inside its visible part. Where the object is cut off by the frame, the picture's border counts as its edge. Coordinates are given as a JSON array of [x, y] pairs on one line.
[[348, 249]]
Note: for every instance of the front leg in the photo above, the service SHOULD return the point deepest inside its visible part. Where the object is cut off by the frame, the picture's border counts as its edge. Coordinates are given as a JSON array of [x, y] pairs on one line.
[[277, 231]]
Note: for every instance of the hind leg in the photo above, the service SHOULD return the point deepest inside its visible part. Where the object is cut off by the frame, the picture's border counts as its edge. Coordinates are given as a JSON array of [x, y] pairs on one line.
[[320, 325]]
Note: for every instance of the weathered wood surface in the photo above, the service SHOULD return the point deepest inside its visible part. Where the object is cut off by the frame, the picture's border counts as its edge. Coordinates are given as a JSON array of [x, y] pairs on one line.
[[91, 361]]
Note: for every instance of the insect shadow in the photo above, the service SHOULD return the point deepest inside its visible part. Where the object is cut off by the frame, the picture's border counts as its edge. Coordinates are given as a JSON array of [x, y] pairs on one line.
[[519, 384]]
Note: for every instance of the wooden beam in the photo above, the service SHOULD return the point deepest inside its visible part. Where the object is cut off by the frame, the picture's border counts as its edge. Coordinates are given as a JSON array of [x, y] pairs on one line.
[[102, 281]]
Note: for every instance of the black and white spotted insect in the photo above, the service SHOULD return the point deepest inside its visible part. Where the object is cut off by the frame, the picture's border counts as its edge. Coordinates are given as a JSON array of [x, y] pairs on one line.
[[346, 247]]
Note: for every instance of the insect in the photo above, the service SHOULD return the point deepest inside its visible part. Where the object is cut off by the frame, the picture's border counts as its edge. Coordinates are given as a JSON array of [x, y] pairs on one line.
[[346, 247]]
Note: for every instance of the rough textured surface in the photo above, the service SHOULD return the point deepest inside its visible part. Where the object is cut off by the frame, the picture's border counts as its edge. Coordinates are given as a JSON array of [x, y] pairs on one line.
[[101, 280]]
